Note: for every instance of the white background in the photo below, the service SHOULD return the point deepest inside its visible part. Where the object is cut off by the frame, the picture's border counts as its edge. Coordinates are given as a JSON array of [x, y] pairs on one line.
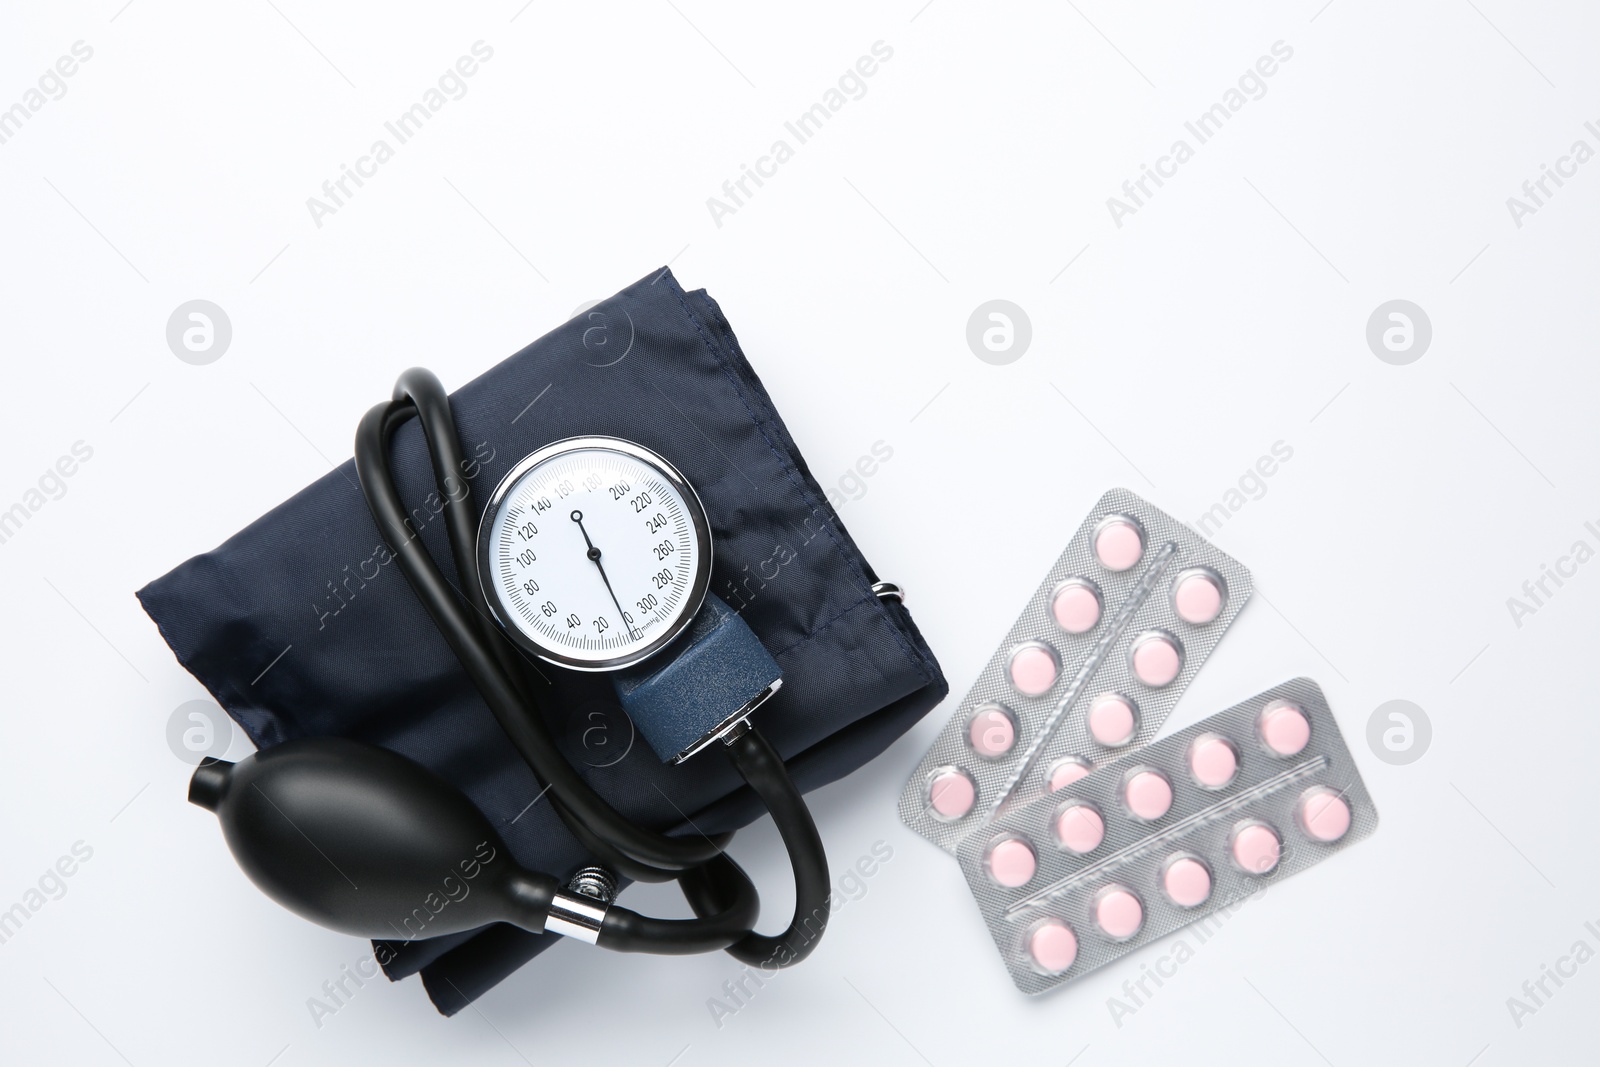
[[1228, 314]]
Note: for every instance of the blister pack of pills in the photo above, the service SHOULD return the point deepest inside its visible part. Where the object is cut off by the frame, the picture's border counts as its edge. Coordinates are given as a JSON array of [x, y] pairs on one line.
[[1165, 836], [1089, 671]]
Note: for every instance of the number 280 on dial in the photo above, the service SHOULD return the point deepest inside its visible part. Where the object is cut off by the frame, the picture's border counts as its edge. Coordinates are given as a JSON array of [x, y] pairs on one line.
[[594, 553]]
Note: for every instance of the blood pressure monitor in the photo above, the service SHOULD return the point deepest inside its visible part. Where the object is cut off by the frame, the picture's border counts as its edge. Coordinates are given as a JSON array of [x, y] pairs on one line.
[[595, 554]]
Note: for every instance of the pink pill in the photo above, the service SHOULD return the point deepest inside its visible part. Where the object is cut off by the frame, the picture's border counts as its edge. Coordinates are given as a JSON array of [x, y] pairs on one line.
[[1053, 947], [1256, 848], [1012, 863], [1066, 772], [992, 732], [1197, 598], [1324, 815], [1111, 720], [1148, 795], [1187, 882], [1119, 913], [1212, 761], [1119, 543], [1076, 606], [1080, 828], [1156, 660], [951, 794], [1285, 729], [1033, 669]]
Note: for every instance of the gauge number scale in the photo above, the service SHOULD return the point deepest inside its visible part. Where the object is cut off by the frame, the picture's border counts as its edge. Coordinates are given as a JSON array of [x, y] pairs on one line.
[[594, 553]]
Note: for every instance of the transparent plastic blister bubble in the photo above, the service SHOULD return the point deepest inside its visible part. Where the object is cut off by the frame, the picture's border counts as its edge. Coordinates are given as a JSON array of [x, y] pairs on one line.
[[1089, 671], [1151, 843]]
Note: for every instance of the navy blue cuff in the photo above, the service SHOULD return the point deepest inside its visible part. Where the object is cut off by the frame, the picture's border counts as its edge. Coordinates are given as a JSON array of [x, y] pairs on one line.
[[313, 576]]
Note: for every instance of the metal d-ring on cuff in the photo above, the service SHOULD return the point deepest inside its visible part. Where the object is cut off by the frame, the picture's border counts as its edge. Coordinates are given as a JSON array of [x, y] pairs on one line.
[[888, 591]]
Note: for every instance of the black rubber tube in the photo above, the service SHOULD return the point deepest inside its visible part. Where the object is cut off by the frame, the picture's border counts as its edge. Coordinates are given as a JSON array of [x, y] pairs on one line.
[[526, 731], [418, 392], [721, 894], [427, 396], [763, 768], [727, 924], [431, 404]]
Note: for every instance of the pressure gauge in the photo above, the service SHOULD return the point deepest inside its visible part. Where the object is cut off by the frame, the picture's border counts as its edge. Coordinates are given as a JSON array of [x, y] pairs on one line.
[[594, 553]]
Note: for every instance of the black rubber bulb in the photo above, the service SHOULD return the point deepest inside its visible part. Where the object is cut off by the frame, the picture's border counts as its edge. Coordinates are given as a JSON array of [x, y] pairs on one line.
[[365, 841]]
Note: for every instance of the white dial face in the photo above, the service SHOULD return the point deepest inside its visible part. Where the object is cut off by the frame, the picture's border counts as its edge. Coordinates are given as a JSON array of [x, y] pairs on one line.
[[596, 556]]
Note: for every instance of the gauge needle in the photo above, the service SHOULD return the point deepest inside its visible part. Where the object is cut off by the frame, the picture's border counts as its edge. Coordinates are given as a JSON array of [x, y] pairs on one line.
[[594, 557]]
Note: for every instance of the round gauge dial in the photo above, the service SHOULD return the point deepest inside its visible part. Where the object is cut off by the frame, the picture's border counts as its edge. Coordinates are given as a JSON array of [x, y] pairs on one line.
[[594, 553]]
